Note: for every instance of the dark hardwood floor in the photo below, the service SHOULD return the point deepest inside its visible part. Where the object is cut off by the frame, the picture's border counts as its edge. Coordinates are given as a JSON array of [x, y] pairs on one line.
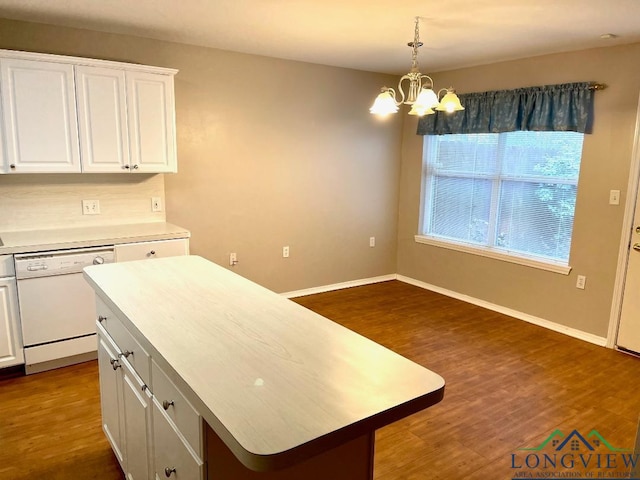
[[510, 385]]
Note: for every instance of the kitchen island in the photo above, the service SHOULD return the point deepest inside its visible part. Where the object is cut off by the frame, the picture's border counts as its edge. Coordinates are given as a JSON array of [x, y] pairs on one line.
[[251, 384]]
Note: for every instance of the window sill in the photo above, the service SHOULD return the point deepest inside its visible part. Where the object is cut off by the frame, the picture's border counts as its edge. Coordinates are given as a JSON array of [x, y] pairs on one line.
[[505, 257]]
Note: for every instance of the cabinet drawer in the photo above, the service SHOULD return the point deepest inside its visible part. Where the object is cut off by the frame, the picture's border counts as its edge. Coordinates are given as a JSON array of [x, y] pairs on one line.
[[177, 408], [127, 346], [158, 249], [173, 458]]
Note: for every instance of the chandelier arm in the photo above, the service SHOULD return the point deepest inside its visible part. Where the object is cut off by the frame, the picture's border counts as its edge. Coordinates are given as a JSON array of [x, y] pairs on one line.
[[400, 89], [393, 94], [422, 77]]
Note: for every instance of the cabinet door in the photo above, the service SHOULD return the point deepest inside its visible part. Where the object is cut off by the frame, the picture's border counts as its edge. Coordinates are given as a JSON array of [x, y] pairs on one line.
[[102, 119], [11, 352], [39, 112], [151, 116], [172, 457], [143, 250], [4, 162], [137, 425], [111, 398]]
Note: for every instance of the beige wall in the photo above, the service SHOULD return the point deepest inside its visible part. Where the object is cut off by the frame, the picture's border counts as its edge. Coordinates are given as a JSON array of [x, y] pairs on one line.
[[271, 153], [598, 225]]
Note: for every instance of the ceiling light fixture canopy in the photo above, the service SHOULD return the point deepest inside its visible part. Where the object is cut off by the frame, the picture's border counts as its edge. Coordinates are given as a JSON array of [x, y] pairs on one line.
[[421, 96]]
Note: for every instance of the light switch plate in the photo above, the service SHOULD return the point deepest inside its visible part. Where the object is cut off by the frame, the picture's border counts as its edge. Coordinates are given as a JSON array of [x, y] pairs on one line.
[[614, 197], [156, 204]]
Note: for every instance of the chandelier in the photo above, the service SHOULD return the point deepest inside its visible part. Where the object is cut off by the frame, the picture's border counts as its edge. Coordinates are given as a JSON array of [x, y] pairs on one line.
[[421, 96]]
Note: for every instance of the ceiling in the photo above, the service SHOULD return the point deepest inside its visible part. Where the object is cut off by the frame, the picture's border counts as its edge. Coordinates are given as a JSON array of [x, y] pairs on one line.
[[367, 35]]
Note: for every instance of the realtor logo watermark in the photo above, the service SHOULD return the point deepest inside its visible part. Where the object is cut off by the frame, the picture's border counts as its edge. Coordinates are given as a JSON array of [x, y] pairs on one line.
[[575, 456]]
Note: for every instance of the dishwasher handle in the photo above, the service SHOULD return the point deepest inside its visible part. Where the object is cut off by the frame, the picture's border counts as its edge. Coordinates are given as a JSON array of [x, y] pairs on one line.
[[36, 268]]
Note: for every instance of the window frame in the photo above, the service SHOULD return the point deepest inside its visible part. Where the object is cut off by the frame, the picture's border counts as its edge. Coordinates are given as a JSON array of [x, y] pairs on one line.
[[517, 257]]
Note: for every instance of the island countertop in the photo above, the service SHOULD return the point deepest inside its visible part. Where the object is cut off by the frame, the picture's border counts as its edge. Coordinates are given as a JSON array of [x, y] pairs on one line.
[[275, 381]]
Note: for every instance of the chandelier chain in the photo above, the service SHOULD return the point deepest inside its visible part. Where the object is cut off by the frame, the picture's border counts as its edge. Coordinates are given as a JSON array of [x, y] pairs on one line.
[[415, 45]]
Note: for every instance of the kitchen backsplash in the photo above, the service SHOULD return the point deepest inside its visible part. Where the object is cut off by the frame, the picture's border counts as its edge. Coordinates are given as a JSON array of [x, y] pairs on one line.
[[43, 201]]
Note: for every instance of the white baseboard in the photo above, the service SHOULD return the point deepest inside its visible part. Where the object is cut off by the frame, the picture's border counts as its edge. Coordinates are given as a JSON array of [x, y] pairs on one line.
[[339, 286], [556, 327]]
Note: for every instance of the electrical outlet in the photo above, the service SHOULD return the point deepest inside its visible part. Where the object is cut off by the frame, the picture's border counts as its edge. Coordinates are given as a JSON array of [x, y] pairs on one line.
[[372, 241], [156, 204], [581, 281], [285, 252], [614, 197], [233, 259], [91, 207]]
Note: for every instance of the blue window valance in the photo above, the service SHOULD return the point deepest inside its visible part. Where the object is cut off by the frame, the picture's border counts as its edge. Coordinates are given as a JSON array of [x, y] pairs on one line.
[[566, 107]]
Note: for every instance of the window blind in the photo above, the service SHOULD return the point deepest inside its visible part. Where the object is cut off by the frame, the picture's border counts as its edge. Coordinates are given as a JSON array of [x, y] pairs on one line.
[[513, 191]]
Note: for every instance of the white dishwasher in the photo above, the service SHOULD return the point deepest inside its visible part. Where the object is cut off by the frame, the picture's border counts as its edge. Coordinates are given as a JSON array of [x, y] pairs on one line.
[[57, 306]]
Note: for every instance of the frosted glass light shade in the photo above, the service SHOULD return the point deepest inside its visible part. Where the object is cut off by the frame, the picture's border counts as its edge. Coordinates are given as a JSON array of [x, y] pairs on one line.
[[420, 111], [427, 99], [450, 103], [384, 104]]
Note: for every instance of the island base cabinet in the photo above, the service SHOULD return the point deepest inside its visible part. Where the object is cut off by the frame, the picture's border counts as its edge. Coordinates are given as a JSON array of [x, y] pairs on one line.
[[173, 458], [137, 425], [352, 460], [111, 400]]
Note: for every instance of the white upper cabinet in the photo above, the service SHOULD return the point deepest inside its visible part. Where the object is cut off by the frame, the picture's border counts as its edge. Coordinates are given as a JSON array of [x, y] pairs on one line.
[[70, 114], [150, 108], [102, 119], [39, 116]]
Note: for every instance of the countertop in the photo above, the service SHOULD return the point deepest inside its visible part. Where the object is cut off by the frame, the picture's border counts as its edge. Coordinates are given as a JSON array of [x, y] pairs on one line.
[[62, 238], [275, 381]]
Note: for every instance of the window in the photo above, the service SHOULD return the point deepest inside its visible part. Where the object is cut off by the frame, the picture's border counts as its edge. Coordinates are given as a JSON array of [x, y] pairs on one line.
[[511, 193]]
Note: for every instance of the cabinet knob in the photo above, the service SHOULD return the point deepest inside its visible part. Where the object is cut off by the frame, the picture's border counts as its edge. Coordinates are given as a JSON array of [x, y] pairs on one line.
[[115, 364], [125, 354], [126, 167], [12, 166], [168, 471], [151, 253], [135, 167], [166, 404], [101, 318]]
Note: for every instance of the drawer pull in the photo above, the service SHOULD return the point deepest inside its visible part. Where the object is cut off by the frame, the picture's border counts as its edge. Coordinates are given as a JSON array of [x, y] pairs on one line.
[[115, 364], [125, 354], [166, 404], [168, 471], [101, 318]]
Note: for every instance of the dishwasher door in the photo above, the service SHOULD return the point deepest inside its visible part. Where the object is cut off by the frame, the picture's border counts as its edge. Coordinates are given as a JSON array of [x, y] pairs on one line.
[[56, 308]]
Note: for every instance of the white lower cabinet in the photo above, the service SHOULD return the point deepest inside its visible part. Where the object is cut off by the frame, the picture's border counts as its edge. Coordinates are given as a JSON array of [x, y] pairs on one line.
[[137, 425], [11, 352], [111, 400], [143, 429], [173, 457]]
